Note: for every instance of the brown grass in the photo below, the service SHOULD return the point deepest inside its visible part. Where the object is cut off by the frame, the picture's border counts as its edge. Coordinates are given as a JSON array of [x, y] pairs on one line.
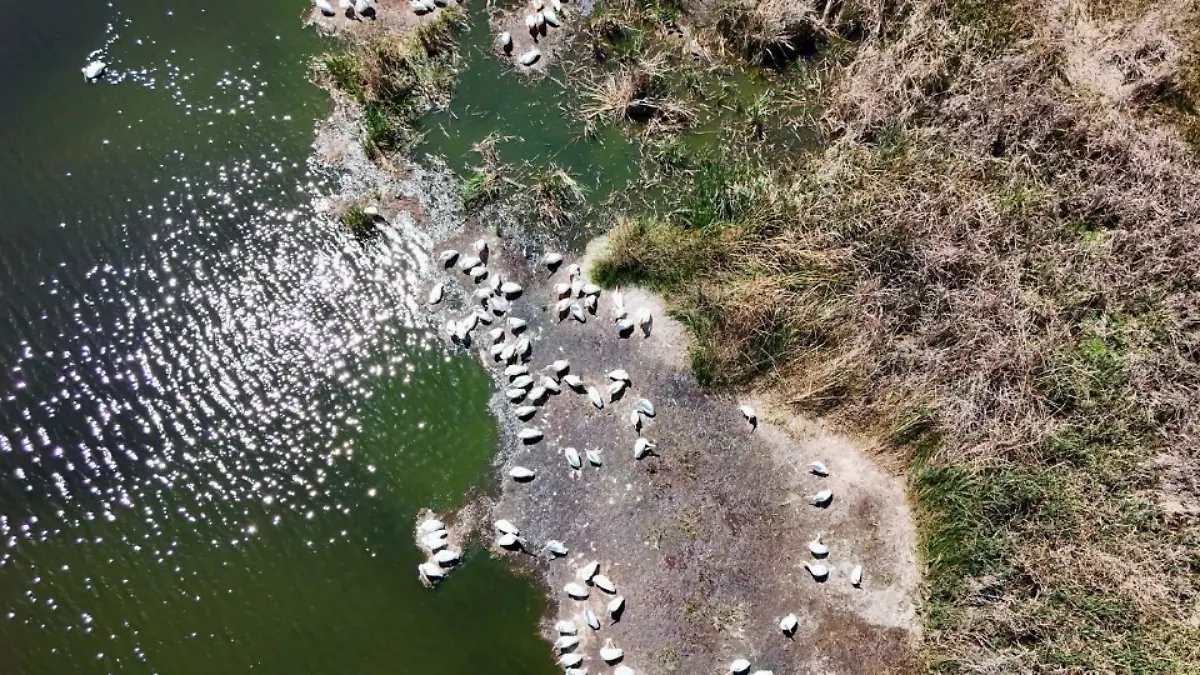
[[996, 273], [637, 92]]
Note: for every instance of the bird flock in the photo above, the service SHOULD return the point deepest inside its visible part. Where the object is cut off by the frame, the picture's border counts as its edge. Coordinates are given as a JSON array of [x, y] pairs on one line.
[[538, 23], [509, 347], [352, 8], [435, 540]]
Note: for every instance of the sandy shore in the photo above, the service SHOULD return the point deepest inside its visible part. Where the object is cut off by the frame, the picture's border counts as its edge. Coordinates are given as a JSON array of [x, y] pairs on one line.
[[707, 539]]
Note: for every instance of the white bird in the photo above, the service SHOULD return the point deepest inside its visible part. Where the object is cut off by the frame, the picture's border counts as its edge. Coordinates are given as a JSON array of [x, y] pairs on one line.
[[550, 385], [506, 540], [594, 397], [818, 549], [615, 606], [497, 349], [497, 335], [856, 575], [593, 457], [562, 291], [618, 374], [538, 5], [431, 525], [817, 570], [739, 666], [645, 320], [570, 660], [591, 620], [507, 352], [556, 547], [604, 583], [530, 434], [514, 395], [789, 623], [588, 571], [516, 325], [591, 289], [499, 305], [522, 382], [510, 289], [565, 627], [531, 23], [763, 672], [646, 407], [506, 527], [573, 270], [362, 6], [325, 7], [435, 540], [557, 5], [430, 571], [620, 670], [822, 498], [819, 469], [482, 295], [577, 286], [448, 257], [576, 591], [573, 381], [526, 411], [642, 448], [537, 395], [481, 249], [635, 420], [447, 557], [749, 414], [418, 7], [478, 273], [560, 366], [520, 473], [505, 41], [540, 18], [615, 389], [624, 326], [578, 313], [566, 643], [573, 458], [530, 57], [609, 653], [516, 371], [469, 263], [94, 70], [562, 308], [618, 301], [589, 303], [495, 282], [553, 260]]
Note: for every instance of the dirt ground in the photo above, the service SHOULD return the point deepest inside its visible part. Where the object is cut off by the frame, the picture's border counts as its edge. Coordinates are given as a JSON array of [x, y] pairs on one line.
[[707, 539]]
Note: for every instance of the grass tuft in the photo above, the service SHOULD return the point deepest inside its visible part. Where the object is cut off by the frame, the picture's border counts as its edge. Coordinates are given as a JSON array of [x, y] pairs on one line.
[[358, 222]]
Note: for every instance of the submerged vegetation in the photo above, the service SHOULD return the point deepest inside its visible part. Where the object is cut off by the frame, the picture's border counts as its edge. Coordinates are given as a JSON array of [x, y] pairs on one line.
[[993, 274], [398, 78]]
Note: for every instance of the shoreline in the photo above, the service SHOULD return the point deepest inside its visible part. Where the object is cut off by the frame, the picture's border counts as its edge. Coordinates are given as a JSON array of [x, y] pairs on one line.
[[707, 540]]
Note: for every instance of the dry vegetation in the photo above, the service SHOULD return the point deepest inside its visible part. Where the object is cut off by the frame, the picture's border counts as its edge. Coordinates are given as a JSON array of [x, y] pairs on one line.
[[993, 266], [397, 78]]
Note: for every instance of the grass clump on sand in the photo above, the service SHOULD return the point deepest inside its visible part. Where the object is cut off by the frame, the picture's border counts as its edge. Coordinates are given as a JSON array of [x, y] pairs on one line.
[[398, 79], [360, 223], [995, 275]]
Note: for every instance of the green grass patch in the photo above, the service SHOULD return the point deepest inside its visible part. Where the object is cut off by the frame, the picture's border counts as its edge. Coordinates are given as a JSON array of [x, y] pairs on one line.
[[358, 222]]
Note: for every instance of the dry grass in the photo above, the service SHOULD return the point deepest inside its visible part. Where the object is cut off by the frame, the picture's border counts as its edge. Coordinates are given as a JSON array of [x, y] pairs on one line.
[[998, 276], [638, 92]]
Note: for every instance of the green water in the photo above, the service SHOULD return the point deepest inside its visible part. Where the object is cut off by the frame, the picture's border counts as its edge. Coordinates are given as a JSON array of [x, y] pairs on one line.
[[535, 119], [220, 414]]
